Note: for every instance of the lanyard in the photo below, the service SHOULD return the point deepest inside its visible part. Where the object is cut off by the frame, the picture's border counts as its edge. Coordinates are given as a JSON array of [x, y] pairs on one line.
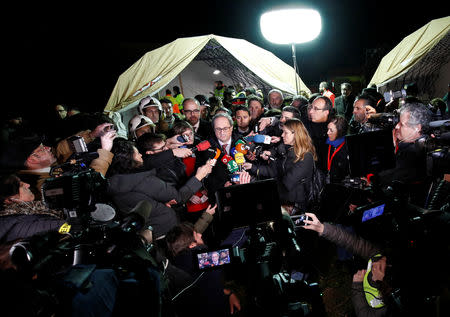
[[334, 153]]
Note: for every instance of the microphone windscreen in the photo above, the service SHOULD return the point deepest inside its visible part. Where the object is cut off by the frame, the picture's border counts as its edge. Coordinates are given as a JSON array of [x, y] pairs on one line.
[[239, 158], [226, 158], [259, 138], [203, 146], [232, 166], [242, 148]]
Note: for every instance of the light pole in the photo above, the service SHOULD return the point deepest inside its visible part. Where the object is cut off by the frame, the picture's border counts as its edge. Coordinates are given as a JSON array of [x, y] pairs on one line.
[[291, 26]]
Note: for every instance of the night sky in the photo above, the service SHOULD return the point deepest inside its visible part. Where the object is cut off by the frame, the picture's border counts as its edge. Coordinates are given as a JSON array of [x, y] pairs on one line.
[[74, 54]]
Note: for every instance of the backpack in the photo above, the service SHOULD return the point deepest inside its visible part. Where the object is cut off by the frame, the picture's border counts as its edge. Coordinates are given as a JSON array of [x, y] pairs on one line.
[[313, 188]]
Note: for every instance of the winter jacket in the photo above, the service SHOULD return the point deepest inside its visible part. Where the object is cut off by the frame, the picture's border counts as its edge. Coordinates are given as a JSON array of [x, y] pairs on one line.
[[126, 190]]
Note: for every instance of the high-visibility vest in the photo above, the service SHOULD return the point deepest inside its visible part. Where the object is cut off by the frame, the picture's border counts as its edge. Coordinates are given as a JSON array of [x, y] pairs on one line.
[[373, 296], [175, 106], [179, 98], [219, 92]]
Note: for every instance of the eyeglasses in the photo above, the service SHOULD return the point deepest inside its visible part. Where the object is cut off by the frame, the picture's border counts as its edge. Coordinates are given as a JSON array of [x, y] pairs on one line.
[[317, 109], [196, 111], [220, 130]]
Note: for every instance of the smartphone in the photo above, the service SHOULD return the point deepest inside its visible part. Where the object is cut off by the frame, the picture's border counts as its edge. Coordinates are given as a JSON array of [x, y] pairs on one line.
[[373, 212], [182, 138], [211, 259], [299, 220]]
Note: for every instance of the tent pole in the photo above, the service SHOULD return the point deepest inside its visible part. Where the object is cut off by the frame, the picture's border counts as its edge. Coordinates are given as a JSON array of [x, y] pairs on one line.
[[181, 84], [294, 59]]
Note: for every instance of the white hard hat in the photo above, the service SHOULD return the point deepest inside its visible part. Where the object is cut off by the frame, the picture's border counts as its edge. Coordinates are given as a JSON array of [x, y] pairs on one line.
[[137, 122], [149, 102]]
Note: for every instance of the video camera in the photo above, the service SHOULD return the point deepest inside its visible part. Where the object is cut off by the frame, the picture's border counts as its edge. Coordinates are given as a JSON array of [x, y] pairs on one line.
[[389, 95], [74, 187], [259, 245], [384, 120]]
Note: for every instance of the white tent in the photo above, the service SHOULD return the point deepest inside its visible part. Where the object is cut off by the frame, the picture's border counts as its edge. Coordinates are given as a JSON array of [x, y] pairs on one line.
[[189, 63], [421, 57]]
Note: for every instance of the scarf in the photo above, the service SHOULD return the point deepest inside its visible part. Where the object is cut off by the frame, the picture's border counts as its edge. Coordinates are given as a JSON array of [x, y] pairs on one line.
[[336, 142]]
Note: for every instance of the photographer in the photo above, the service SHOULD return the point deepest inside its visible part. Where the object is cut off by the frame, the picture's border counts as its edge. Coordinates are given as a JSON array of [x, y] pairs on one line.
[[410, 163], [363, 108], [20, 215], [197, 292], [33, 160], [368, 289]]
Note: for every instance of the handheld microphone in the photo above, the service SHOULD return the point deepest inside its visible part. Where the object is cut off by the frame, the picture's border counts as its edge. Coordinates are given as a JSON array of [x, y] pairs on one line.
[[260, 138], [239, 159], [226, 158], [233, 151], [202, 146], [230, 163], [242, 148], [232, 166], [215, 157]]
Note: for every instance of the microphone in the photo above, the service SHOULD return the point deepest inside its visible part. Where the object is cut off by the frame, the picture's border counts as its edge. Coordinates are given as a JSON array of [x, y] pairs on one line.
[[240, 160], [230, 163], [260, 138], [215, 157], [242, 148], [202, 146], [226, 158], [233, 151], [232, 166]]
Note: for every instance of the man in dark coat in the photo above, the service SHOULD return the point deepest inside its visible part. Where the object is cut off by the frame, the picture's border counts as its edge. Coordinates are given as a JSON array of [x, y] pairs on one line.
[[191, 110], [320, 113], [224, 140], [344, 103]]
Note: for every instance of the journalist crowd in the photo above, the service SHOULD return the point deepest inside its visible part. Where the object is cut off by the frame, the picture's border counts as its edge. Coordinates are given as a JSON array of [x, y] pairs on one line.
[[156, 177]]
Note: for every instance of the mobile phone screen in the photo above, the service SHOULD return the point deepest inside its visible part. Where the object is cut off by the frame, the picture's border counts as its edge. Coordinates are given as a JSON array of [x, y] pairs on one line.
[[213, 258], [373, 212]]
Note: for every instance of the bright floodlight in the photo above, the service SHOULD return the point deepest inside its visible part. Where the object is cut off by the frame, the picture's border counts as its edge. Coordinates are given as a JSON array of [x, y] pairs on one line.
[[291, 26]]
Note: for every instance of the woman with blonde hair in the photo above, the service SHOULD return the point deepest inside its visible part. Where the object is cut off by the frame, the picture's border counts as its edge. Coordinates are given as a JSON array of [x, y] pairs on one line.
[[292, 163]]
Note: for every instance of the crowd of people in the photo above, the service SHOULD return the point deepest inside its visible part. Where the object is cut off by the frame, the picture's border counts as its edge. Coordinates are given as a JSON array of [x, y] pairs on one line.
[[177, 152]]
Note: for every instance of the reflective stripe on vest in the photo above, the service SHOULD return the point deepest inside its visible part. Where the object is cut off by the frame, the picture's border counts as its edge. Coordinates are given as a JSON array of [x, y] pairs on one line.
[[373, 296]]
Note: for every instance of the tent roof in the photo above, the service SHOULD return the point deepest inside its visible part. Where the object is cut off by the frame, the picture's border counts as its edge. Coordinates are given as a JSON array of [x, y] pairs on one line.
[[238, 59], [430, 41]]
